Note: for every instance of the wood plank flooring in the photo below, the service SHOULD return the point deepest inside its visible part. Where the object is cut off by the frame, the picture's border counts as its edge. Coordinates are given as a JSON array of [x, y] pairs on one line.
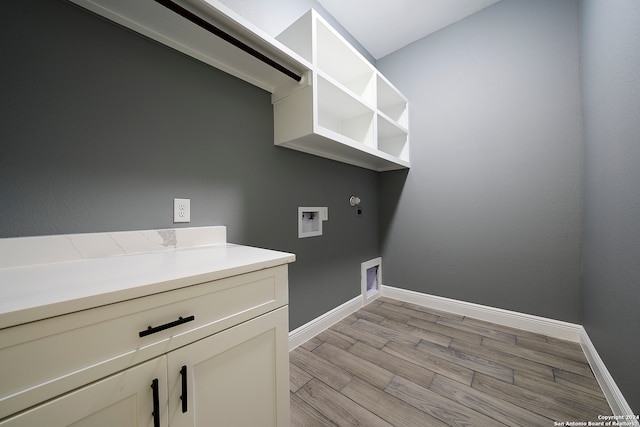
[[399, 364]]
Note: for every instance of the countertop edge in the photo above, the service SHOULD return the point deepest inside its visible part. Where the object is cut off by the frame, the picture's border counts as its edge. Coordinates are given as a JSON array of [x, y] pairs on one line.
[[58, 308]]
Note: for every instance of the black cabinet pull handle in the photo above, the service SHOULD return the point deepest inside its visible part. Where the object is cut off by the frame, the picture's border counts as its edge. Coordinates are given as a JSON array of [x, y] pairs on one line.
[[156, 403], [183, 373], [151, 330]]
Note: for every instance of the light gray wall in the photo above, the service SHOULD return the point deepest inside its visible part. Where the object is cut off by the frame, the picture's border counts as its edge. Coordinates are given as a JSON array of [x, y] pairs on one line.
[[490, 211], [610, 63], [102, 128]]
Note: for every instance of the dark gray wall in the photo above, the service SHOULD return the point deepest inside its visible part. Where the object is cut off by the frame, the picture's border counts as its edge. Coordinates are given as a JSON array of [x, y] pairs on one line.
[[102, 128], [610, 64], [490, 211]]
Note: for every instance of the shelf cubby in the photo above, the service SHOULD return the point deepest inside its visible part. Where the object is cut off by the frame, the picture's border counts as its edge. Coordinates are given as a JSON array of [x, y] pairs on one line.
[[392, 103], [341, 113], [342, 63], [392, 139], [349, 112]]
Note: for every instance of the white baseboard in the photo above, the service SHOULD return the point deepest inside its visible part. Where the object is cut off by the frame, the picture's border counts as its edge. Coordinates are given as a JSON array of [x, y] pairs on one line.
[[309, 330], [616, 400], [541, 325]]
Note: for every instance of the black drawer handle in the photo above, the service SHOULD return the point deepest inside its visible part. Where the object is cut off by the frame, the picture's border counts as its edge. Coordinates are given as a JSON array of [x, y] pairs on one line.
[[183, 374], [156, 403], [150, 330]]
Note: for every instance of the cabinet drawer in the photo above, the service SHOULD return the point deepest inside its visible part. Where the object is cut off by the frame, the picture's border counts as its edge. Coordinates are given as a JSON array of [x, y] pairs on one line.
[[43, 359]]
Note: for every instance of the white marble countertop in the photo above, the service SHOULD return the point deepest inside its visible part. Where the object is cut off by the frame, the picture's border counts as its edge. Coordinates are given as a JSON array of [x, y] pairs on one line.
[[39, 291]]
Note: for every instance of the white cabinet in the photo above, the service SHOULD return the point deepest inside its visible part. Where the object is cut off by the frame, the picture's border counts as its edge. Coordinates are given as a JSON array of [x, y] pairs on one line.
[[220, 347], [349, 112]]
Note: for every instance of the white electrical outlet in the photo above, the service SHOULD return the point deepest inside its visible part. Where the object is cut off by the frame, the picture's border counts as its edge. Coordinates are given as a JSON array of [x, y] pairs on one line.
[[181, 210]]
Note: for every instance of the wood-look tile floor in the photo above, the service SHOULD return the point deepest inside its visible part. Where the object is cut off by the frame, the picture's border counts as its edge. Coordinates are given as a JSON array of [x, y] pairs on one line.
[[399, 364]]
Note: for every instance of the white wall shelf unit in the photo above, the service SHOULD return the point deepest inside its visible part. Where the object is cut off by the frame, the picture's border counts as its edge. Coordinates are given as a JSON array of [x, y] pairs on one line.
[[157, 22], [350, 112]]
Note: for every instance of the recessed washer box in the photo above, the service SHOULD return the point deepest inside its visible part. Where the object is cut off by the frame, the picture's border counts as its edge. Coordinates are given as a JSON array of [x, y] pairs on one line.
[[310, 221]]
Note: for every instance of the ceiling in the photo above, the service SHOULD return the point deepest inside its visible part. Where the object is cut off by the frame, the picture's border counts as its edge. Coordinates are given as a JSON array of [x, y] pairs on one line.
[[384, 26]]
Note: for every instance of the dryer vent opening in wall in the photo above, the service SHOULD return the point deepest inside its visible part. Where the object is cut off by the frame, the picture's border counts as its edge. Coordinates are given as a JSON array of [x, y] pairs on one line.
[[371, 276]]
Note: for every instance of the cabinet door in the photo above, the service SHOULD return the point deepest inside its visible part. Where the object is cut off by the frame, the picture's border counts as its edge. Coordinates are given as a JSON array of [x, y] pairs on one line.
[[238, 377], [125, 399]]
